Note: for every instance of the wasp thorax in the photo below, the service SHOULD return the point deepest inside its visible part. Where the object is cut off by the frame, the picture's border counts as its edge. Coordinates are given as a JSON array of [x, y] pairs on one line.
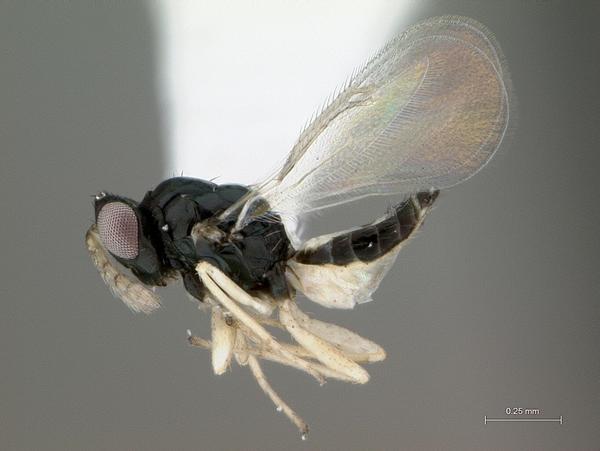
[[118, 228]]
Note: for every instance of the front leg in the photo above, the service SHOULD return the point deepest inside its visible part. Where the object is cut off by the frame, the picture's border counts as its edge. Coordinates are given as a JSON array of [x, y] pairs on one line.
[[233, 290]]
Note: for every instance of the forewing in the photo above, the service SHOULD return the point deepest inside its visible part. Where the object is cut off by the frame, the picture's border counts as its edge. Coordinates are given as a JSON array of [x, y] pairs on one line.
[[427, 112]]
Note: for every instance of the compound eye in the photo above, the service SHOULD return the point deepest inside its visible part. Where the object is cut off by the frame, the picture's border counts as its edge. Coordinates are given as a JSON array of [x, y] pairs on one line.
[[118, 228]]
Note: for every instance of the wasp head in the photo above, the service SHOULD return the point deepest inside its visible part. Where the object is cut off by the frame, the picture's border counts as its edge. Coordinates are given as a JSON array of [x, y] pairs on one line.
[[126, 231]]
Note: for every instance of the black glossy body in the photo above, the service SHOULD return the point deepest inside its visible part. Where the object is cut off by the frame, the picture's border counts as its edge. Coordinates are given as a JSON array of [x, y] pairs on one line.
[[371, 241], [253, 257]]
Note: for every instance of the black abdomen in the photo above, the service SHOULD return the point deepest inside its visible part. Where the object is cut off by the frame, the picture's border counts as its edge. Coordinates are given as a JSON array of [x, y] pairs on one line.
[[371, 241]]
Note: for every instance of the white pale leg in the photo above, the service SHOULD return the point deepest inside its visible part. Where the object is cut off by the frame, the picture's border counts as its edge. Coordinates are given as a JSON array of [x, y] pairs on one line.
[[323, 351], [354, 346], [242, 352], [263, 307], [265, 337], [223, 340], [322, 369], [279, 403]]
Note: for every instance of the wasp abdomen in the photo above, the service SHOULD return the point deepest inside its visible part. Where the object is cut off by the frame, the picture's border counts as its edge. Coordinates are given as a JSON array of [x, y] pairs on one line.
[[371, 241]]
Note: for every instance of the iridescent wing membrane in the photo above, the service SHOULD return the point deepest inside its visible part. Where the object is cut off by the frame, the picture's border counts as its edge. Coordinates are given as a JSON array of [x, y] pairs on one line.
[[428, 111], [425, 113]]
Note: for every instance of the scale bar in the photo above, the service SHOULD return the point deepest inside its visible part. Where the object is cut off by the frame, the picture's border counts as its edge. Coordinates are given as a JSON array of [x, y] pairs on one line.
[[487, 420]]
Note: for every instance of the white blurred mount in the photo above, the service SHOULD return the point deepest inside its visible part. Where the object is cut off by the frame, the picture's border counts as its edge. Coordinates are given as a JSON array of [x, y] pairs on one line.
[[237, 80]]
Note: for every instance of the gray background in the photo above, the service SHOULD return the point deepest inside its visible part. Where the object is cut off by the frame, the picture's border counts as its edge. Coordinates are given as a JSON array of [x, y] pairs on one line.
[[495, 304]]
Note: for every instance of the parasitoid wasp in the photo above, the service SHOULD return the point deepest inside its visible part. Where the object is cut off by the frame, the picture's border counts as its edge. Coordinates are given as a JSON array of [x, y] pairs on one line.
[[425, 113]]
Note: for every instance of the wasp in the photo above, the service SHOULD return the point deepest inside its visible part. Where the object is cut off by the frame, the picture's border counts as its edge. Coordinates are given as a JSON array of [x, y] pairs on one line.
[[427, 112]]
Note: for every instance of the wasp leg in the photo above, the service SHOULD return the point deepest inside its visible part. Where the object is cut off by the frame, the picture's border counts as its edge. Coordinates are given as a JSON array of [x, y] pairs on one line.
[[241, 353], [352, 345], [206, 271], [223, 340], [198, 342], [249, 356], [322, 350], [279, 403], [262, 306], [240, 350]]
